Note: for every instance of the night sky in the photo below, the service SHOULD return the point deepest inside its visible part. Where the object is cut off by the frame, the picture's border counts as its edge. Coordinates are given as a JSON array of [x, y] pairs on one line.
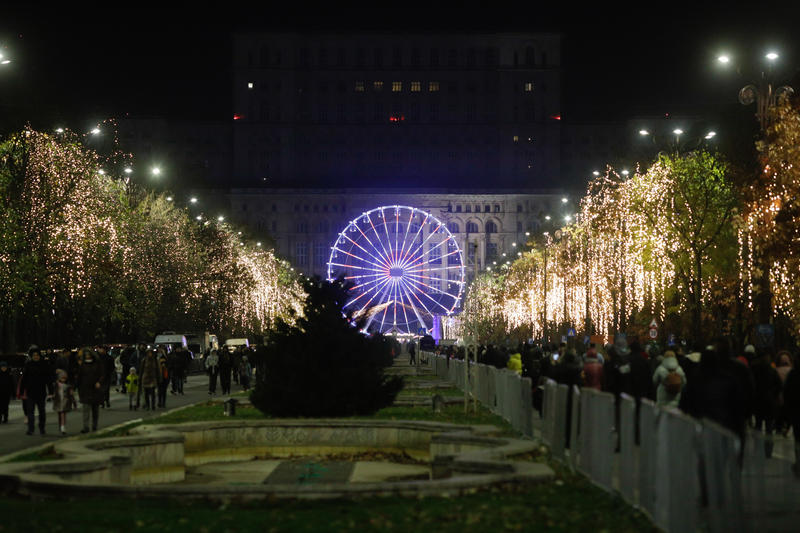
[[76, 67]]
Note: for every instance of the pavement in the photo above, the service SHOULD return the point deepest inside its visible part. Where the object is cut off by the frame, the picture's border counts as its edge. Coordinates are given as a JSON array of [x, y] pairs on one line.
[[13, 438]]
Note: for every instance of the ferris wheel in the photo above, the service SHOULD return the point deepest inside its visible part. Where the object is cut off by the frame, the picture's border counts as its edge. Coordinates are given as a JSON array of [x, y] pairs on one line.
[[405, 268]]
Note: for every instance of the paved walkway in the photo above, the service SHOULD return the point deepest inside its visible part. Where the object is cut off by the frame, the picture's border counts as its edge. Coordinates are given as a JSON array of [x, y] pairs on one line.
[[14, 439]]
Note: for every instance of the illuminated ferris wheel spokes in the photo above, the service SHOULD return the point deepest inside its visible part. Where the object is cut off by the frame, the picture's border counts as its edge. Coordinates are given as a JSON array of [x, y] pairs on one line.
[[404, 265]]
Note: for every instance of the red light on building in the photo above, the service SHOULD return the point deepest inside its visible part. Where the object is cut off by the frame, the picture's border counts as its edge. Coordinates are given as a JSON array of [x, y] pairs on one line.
[[397, 118], [237, 117], [556, 117]]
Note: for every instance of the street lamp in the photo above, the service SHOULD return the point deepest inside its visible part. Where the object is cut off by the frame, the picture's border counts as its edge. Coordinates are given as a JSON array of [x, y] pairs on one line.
[[156, 171], [763, 92], [193, 200]]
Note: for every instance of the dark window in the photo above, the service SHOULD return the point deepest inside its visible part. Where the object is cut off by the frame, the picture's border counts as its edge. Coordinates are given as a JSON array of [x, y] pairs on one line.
[[491, 227], [434, 57], [530, 56], [491, 251], [472, 227], [487, 209]]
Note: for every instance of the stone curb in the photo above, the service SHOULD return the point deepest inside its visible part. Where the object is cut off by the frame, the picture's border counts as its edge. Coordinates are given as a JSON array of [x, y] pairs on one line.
[[464, 459]]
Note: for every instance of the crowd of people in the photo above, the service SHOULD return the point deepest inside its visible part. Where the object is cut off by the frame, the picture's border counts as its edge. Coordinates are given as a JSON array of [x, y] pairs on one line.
[[759, 389], [85, 377]]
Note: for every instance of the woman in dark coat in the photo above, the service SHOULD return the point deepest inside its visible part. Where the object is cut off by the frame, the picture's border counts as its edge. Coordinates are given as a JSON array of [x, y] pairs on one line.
[[791, 399], [90, 382]]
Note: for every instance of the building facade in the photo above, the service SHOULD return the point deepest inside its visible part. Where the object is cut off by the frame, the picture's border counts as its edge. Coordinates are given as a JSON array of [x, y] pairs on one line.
[[380, 110], [489, 227]]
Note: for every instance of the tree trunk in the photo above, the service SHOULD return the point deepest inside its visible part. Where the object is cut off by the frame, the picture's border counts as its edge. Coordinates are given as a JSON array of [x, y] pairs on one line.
[[697, 294]]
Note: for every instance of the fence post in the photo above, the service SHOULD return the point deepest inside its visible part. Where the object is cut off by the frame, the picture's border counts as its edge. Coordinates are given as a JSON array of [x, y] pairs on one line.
[[720, 463], [676, 472], [574, 433], [647, 454], [602, 441], [627, 448]]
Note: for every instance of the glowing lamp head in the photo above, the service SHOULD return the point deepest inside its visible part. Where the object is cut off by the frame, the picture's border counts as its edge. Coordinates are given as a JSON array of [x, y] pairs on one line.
[[95, 131], [128, 170], [724, 59], [625, 172], [677, 131], [156, 171], [547, 217], [644, 132], [772, 56], [193, 200], [220, 218]]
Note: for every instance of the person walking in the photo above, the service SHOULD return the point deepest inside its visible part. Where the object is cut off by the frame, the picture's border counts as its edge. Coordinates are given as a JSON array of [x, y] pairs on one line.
[[245, 371], [148, 379], [90, 383], [132, 388], [212, 368], [592, 371], [768, 389], [412, 353], [784, 368], [120, 386], [225, 368], [36, 385], [163, 382], [791, 399], [107, 361], [63, 399], [669, 380], [7, 391]]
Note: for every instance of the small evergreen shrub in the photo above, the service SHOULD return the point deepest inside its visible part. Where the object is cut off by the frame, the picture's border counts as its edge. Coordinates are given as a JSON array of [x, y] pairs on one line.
[[323, 366]]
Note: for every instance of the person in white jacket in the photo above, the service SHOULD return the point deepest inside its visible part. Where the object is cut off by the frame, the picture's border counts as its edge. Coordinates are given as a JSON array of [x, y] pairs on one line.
[[669, 380], [212, 367]]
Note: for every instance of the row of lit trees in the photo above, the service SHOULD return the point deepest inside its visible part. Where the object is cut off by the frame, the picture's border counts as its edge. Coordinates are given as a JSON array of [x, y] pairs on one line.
[[678, 242], [86, 257]]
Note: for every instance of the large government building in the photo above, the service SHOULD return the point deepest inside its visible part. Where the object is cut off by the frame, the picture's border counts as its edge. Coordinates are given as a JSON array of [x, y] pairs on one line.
[[326, 127], [489, 227], [377, 110]]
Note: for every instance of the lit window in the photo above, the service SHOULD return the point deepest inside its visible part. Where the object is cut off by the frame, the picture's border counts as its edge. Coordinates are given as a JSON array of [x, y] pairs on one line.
[[516, 138], [416, 86], [397, 86], [528, 87], [433, 86], [377, 85], [250, 85], [435, 254], [359, 86]]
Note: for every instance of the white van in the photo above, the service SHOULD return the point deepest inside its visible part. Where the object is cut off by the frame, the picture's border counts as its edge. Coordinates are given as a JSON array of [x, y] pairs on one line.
[[232, 344], [171, 341]]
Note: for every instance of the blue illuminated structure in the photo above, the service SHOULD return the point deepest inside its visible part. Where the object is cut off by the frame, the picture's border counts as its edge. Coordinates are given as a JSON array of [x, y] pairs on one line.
[[405, 265]]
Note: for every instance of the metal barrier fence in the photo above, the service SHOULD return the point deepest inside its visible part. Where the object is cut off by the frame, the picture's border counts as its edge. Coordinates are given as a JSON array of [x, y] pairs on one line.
[[504, 392], [686, 474]]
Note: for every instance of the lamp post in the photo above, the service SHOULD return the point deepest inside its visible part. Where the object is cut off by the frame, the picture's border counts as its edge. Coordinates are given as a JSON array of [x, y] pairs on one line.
[[763, 92]]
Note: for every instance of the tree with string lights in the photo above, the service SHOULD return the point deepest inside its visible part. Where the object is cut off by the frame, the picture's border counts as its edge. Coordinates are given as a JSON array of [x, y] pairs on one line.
[[771, 233]]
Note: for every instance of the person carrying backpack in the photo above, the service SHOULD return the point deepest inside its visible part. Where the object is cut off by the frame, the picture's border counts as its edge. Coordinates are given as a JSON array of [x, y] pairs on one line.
[[669, 380]]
